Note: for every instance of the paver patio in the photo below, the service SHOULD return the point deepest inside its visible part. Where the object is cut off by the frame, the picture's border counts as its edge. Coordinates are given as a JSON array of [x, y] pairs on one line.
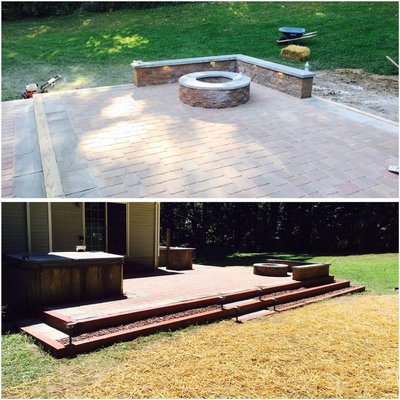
[[166, 287], [131, 142]]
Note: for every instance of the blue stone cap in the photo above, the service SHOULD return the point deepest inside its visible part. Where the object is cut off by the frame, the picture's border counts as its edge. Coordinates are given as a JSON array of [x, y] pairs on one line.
[[299, 73]]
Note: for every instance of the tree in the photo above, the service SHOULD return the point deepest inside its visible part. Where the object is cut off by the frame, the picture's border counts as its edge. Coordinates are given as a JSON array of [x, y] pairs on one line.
[[290, 227]]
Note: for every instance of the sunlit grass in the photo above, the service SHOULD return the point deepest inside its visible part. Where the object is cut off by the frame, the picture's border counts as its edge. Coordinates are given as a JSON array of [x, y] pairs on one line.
[[351, 35], [378, 272]]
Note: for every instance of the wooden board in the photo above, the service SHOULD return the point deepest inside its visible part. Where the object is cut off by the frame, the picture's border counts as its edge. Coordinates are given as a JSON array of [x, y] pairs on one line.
[[51, 174], [307, 36], [42, 284]]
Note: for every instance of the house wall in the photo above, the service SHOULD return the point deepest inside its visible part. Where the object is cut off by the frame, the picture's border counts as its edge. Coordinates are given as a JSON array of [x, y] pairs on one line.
[[14, 228], [143, 236], [39, 223], [67, 225], [66, 220]]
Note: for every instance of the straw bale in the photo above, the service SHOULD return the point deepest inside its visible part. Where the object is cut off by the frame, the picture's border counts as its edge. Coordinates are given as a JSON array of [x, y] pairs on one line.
[[296, 53], [341, 348]]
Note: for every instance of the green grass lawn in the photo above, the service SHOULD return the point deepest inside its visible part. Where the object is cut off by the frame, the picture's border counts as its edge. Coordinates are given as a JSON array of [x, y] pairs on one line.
[[97, 49], [378, 272]]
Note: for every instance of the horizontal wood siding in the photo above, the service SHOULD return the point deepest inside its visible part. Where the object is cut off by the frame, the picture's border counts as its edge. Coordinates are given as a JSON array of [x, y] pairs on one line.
[[14, 228], [66, 225], [39, 227], [142, 231]]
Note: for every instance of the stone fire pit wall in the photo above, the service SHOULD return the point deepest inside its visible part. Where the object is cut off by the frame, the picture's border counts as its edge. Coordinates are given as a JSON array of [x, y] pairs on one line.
[[293, 81]]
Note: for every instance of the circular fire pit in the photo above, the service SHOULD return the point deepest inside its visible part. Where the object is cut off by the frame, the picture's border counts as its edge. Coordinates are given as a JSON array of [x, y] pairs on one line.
[[214, 89]]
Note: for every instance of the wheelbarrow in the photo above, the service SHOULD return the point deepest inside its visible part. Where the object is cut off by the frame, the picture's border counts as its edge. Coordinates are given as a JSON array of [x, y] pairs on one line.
[[292, 34]]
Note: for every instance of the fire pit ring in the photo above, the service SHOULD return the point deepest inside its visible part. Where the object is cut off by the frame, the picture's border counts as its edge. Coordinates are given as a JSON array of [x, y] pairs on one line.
[[214, 89]]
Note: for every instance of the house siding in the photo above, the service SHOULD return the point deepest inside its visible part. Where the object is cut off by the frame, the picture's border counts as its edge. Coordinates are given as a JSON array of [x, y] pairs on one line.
[[142, 235], [39, 227], [67, 226], [14, 228], [66, 220]]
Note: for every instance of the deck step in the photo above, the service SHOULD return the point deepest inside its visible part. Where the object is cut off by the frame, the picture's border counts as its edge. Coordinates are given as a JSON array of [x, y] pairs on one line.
[[246, 306], [255, 315], [247, 300], [44, 334], [170, 317], [325, 296], [56, 319]]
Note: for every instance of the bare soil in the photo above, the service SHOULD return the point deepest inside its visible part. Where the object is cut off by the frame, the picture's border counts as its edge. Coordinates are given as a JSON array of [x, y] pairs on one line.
[[375, 94]]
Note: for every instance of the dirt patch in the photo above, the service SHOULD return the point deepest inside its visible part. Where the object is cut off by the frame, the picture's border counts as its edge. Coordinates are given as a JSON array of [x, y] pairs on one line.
[[376, 94]]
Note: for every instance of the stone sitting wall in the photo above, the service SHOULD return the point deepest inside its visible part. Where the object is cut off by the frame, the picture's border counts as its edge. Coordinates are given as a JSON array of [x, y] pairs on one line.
[[168, 71], [293, 81]]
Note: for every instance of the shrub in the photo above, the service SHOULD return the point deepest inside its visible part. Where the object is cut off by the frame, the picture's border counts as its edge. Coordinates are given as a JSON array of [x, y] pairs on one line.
[[14, 10]]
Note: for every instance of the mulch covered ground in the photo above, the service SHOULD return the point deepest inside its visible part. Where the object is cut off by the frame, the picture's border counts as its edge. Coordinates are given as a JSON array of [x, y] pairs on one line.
[[341, 348]]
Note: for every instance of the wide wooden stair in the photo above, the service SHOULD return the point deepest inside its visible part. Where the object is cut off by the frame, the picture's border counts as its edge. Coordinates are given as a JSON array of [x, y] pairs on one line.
[[63, 337]]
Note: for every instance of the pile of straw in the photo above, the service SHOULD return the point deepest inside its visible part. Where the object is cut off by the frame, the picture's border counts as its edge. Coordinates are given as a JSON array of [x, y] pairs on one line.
[[342, 348], [296, 53]]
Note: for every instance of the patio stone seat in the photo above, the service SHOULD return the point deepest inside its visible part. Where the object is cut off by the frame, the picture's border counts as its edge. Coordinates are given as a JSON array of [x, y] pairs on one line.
[[304, 272], [270, 269]]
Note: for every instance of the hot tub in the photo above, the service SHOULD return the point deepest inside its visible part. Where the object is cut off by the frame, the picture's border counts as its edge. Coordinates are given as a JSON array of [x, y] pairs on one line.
[[31, 281], [176, 258]]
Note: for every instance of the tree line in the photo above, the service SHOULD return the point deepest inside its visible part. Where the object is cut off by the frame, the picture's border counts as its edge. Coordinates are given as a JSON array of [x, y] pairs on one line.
[[15, 10], [282, 227]]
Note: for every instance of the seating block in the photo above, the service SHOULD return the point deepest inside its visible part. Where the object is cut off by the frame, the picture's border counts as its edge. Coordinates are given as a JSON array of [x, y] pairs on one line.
[[304, 272]]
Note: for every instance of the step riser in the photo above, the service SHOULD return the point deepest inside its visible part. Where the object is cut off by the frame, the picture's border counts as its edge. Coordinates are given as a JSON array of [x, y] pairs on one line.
[[55, 320], [179, 323], [287, 298], [55, 348], [58, 321], [254, 316], [356, 289], [210, 316], [58, 350]]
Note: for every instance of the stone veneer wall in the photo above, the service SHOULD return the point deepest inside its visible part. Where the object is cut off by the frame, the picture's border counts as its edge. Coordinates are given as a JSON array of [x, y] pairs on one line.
[[171, 73], [293, 81], [214, 98], [293, 85]]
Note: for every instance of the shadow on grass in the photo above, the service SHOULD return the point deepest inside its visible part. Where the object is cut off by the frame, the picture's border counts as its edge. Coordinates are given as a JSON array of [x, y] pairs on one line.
[[247, 259]]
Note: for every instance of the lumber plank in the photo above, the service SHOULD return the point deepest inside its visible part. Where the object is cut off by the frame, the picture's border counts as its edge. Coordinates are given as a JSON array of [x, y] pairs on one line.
[[51, 174], [296, 39], [392, 61]]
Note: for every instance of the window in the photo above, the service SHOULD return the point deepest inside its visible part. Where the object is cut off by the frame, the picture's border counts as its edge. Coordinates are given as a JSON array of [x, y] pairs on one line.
[[95, 221]]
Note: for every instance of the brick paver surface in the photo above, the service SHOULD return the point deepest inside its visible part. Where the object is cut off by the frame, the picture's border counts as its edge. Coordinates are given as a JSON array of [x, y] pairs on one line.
[[175, 286], [143, 142]]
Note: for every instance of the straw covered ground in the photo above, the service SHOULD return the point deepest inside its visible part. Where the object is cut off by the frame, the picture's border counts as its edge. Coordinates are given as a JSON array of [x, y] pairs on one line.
[[342, 348]]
